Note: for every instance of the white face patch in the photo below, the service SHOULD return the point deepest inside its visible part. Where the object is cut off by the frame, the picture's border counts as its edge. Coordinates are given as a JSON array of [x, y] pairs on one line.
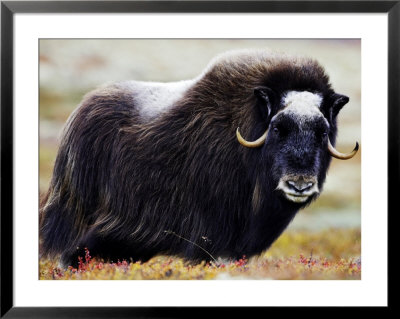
[[302, 105], [153, 98]]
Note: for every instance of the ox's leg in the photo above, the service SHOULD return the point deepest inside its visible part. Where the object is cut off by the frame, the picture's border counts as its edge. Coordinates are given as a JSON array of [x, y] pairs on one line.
[[106, 249]]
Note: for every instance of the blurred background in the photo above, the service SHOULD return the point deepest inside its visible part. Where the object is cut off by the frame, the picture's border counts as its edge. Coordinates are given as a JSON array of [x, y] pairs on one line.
[[71, 68]]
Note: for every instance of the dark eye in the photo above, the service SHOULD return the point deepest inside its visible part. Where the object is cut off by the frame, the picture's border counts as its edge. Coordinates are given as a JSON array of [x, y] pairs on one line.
[[324, 134], [275, 129]]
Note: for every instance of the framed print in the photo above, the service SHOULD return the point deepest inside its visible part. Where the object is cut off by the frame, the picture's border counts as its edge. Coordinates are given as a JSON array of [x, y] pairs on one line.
[[145, 143]]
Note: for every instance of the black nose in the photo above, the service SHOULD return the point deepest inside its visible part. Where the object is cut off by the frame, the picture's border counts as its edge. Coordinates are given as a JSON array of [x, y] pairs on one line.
[[300, 185]]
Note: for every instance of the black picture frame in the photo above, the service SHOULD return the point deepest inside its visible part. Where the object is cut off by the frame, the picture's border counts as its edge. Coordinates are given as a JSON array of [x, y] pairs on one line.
[[9, 8]]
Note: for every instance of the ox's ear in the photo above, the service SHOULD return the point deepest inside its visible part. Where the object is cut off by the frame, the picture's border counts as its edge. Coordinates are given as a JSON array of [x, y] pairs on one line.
[[265, 97], [338, 101]]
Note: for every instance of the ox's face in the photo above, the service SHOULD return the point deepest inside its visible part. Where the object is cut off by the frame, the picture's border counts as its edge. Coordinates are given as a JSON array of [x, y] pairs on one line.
[[298, 137], [296, 145]]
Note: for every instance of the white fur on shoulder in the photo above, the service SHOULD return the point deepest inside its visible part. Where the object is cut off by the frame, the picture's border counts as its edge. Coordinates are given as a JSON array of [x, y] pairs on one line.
[[154, 98]]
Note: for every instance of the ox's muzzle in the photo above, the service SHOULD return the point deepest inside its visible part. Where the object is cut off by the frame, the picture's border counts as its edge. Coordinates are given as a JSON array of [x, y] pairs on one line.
[[298, 188]]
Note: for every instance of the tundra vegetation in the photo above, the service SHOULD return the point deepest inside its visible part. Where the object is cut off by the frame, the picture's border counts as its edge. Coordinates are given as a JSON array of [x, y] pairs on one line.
[[303, 252], [328, 254], [300, 253]]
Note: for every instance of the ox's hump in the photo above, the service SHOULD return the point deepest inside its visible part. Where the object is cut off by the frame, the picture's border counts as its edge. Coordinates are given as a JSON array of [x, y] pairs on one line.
[[154, 98]]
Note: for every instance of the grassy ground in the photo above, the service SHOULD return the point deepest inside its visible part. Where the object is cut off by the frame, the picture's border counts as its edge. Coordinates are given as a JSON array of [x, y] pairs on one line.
[[330, 254]]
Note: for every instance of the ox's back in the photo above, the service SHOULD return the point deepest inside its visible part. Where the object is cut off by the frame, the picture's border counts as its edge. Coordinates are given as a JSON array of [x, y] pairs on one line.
[[126, 148]]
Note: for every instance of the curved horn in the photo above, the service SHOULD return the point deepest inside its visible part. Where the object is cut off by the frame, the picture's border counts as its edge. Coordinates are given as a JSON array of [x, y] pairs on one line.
[[339, 155], [258, 142]]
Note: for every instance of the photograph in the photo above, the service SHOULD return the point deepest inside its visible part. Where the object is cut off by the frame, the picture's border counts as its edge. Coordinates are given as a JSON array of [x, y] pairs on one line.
[[199, 159], [161, 158]]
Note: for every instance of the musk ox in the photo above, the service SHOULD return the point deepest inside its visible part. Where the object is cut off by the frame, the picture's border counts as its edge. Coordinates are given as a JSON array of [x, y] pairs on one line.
[[149, 168]]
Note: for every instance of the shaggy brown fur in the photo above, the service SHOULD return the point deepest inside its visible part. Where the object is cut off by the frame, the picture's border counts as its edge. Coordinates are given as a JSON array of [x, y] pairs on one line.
[[120, 182]]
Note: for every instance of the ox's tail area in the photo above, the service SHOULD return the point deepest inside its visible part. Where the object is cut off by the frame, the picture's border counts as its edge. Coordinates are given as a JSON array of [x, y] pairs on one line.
[[56, 222]]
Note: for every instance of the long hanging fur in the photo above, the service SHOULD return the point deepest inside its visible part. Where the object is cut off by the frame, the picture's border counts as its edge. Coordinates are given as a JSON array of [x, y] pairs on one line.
[[122, 184]]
